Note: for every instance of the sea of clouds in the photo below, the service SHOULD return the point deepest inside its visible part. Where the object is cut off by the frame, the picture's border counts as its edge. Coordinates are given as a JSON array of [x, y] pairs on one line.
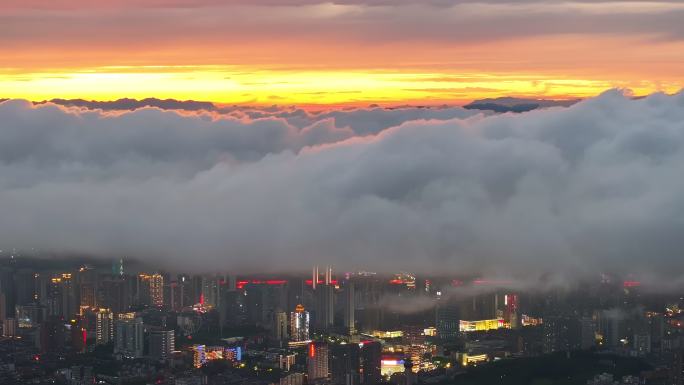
[[599, 185]]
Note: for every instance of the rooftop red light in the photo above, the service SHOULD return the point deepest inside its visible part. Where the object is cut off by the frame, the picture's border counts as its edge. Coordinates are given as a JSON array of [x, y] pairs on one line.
[[320, 282]]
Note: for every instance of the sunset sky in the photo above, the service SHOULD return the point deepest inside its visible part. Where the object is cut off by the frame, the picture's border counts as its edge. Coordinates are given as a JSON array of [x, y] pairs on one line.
[[345, 52]]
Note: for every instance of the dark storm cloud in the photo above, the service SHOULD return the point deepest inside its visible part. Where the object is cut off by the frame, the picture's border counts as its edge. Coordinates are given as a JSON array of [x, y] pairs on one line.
[[594, 186]]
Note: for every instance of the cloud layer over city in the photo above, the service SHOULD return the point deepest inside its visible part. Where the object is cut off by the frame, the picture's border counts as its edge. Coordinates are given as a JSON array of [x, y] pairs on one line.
[[594, 186]]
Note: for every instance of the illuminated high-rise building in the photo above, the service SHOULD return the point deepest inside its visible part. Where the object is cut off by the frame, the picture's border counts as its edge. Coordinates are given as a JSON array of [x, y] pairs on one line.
[[87, 294], [104, 326], [157, 290], [299, 324], [61, 294], [199, 356], [86, 286], [151, 289], [511, 310], [317, 362], [162, 344]]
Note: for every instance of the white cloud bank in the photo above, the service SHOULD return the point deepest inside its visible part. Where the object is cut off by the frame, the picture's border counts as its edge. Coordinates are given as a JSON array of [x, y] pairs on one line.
[[595, 186]]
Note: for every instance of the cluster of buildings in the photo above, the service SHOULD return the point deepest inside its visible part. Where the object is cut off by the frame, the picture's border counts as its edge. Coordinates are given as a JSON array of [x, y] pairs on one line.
[[106, 324]]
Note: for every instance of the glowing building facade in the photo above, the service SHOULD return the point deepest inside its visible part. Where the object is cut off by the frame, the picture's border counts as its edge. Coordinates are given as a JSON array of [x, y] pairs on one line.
[[299, 324], [104, 326], [317, 362], [157, 289], [481, 325]]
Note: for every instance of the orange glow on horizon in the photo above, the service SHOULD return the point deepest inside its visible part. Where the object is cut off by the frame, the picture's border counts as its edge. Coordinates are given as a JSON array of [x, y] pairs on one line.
[[314, 73], [336, 53], [235, 85]]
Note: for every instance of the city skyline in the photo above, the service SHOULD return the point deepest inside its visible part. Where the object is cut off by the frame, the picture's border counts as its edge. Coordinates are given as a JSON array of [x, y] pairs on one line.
[[115, 323]]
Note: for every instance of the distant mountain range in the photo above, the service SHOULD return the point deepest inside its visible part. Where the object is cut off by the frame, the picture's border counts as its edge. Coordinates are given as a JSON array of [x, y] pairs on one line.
[[132, 104], [508, 104], [500, 105]]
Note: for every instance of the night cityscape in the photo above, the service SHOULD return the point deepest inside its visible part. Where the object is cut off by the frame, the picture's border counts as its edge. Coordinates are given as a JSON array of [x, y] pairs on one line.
[[70, 323]]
